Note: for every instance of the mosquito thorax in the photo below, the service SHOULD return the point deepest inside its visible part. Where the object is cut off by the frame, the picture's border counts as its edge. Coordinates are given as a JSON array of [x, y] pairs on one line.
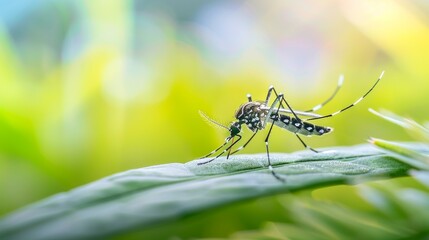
[[247, 109], [251, 115]]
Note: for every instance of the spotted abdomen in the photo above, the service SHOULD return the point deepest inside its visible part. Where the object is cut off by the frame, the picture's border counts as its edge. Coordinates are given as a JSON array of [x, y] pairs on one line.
[[297, 126]]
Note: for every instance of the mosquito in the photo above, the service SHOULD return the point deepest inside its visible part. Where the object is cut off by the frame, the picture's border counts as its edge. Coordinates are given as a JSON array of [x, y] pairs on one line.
[[257, 114]]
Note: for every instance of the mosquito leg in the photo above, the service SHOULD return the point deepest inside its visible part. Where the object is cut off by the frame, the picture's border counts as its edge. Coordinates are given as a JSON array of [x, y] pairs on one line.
[[217, 149], [270, 111], [305, 145], [270, 89], [223, 152], [211, 160], [229, 151], [340, 83], [230, 147], [282, 99], [249, 97], [242, 147], [270, 167], [351, 105]]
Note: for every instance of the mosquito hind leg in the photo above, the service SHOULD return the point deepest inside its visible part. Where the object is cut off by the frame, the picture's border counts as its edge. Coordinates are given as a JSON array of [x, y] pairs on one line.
[[319, 106], [305, 145], [351, 105]]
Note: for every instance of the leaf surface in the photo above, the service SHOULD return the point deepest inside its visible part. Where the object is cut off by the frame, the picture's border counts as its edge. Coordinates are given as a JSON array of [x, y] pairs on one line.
[[140, 198]]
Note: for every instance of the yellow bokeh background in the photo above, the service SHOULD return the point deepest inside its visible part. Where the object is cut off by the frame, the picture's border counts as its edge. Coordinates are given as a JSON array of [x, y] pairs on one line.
[[91, 88]]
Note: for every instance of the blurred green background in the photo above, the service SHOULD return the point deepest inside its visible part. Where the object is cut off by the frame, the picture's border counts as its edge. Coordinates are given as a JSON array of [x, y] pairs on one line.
[[91, 88]]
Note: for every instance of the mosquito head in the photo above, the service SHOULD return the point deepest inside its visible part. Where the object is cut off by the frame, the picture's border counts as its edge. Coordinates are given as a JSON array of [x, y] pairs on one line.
[[235, 128]]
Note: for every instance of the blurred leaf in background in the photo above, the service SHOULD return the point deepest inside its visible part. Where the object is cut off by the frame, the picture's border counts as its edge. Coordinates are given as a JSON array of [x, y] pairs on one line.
[[90, 88], [397, 212]]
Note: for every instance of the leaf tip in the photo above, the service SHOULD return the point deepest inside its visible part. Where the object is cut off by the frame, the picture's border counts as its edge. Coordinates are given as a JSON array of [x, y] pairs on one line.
[[374, 141]]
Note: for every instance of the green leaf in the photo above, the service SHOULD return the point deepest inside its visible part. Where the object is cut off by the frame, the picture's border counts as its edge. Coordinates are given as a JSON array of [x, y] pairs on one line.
[[418, 158], [138, 199], [399, 212], [412, 127]]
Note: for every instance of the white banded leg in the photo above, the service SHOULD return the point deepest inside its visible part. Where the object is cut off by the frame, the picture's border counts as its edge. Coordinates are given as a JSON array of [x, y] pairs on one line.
[[242, 147], [280, 96], [270, 167], [351, 105], [319, 106], [217, 149], [270, 111], [270, 89], [223, 152], [305, 145], [282, 99]]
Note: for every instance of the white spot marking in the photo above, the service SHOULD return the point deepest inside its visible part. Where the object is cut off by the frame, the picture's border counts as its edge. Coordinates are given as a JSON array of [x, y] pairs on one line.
[[341, 80], [335, 113], [360, 99], [317, 107], [271, 168]]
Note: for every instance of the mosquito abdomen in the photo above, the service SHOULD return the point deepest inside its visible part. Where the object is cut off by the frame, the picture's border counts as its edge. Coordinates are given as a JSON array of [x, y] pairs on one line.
[[298, 126]]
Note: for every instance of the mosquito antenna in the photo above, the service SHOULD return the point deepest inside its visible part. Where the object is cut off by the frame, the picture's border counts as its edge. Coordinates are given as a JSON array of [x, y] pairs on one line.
[[211, 121]]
